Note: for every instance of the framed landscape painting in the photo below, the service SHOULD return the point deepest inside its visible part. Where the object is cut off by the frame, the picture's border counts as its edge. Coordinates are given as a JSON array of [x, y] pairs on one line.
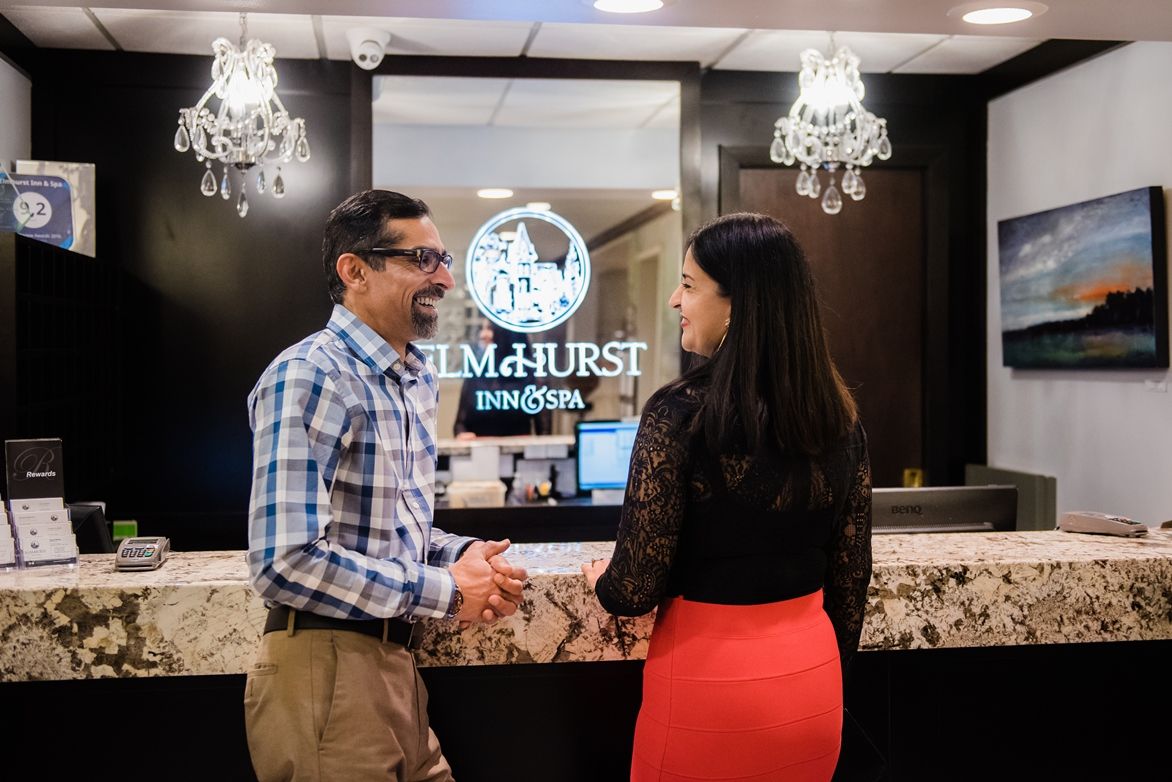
[[1086, 285]]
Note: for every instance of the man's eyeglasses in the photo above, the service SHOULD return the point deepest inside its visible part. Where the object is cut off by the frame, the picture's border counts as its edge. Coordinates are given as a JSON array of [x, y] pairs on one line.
[[427, 258]]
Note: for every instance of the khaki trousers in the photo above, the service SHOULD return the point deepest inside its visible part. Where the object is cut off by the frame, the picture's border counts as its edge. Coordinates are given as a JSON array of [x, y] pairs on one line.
[[322, 705]]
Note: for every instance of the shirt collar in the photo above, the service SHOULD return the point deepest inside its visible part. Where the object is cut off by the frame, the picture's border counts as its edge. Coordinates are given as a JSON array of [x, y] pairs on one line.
[[373, 350]]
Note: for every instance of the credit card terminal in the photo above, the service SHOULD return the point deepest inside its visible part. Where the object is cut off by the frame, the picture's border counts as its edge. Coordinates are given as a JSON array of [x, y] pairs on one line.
[[142, 553], [1101, 524]]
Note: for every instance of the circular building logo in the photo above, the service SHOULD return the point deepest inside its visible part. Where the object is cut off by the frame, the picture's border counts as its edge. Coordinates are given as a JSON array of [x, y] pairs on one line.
[[527, 270]]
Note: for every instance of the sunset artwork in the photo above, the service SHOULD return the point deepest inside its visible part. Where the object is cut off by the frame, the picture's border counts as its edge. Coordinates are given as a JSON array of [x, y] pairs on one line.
[[1085, 285]]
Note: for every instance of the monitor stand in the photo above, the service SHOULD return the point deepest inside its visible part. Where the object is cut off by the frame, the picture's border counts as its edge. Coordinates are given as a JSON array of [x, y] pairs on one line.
[[607, 496]]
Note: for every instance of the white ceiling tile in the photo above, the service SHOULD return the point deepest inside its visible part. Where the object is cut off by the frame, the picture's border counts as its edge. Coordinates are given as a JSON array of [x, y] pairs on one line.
[[192, 32], [630, 42], [780, 50], [436, 100], [431, 36], [773, 50], [883, 52], [584, 103], [967, 54], [57, 28]]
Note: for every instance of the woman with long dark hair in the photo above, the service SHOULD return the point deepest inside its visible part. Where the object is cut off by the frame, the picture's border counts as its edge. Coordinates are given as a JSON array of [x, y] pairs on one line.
[[747, 521]]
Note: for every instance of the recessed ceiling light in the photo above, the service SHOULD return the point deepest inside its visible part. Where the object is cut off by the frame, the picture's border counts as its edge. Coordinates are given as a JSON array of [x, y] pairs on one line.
[[495, 192], [997, 15], [539, 206], [664, 195], [626, 6], [991, 13]]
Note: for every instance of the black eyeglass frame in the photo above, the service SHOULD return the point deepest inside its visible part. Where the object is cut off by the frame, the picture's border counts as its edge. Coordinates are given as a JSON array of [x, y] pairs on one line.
[[427, 259]]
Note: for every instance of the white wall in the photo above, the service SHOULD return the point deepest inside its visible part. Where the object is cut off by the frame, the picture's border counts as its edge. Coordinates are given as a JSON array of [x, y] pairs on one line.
[[582, 158], [1096, 129], [15, 114]]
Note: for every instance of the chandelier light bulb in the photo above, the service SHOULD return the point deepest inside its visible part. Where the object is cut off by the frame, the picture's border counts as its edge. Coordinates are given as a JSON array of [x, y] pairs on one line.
[[243, 93], [250, 127], [828, 129]]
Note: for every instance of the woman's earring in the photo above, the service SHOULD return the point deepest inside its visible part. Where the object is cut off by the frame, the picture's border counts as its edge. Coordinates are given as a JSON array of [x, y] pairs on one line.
[[724, 335]]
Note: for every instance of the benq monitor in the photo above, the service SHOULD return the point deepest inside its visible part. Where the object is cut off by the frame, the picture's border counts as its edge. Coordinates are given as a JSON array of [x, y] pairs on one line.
[[944, 509], [602, 450]]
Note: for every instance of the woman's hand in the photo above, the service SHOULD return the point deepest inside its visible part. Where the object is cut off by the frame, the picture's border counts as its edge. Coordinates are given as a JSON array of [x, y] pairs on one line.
[[593, 569]]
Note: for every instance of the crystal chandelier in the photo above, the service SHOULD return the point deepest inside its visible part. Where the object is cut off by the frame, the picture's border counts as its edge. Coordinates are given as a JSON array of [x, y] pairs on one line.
[[251, 127], [827, 127]]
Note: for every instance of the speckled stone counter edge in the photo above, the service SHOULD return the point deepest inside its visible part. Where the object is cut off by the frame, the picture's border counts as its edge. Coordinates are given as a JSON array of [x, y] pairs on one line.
[[197, 615]]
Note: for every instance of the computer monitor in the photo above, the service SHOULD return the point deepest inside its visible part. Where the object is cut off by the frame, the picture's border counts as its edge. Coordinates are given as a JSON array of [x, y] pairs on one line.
[[944, 509], [602, 450], [91, 529]]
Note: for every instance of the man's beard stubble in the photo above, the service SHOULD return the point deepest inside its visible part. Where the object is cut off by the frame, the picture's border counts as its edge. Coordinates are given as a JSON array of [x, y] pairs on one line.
[[425, 324]]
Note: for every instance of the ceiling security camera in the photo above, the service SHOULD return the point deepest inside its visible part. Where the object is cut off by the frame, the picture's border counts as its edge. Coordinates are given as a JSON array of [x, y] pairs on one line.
[[367, 46]]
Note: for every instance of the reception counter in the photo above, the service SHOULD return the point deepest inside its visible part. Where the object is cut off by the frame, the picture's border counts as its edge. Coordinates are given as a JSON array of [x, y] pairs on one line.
[[197, 615]]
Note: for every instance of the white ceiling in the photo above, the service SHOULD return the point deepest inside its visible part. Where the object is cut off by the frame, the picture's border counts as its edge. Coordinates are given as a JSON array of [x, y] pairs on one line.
[[295, 36], [1130, 20]]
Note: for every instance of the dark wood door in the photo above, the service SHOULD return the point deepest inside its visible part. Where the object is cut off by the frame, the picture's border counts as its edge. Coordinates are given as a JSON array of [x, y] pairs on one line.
[[868, 261]]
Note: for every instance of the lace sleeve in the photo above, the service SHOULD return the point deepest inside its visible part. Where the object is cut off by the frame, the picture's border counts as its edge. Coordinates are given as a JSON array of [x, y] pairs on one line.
[[652, 511], [849, 561]]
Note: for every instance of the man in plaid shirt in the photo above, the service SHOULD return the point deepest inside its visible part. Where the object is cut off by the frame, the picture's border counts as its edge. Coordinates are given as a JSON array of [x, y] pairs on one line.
[[341, 544]]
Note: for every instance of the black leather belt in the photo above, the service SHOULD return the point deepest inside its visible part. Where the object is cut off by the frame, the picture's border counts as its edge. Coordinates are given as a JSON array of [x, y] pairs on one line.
[[386, 630]]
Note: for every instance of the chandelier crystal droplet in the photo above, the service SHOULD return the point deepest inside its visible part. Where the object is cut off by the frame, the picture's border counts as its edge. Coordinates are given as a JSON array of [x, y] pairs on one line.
[[828, 128], [250, 127]]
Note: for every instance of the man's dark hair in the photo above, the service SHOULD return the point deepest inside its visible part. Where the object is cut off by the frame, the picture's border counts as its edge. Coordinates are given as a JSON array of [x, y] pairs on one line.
[[360, 223]]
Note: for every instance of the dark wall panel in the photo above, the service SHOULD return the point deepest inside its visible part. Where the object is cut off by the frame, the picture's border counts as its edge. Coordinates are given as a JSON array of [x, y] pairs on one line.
[[937, 128], [210, 297], [868, 262]]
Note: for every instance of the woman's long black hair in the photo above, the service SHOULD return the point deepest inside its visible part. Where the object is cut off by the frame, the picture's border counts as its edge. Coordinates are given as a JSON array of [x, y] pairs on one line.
[[772, 385]]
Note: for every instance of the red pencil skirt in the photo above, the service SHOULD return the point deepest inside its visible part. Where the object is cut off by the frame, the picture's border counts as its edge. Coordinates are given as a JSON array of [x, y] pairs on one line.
[[740, 693]]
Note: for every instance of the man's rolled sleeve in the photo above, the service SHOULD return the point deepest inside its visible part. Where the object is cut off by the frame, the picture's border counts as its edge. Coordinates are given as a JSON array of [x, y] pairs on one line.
[[446, 547]]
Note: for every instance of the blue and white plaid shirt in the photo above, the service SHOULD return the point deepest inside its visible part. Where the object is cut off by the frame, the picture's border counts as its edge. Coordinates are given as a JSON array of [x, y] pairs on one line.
[[343, 480]]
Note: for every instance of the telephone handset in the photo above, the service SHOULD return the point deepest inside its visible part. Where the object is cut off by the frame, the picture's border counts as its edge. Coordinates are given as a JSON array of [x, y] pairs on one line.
[[1101, 524]]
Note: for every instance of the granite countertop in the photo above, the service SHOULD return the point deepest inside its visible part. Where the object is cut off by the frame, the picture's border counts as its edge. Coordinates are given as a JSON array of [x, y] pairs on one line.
[[197, 614]]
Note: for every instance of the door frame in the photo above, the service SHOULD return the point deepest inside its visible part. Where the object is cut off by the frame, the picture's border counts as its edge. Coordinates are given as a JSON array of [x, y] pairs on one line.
[[931, 162]]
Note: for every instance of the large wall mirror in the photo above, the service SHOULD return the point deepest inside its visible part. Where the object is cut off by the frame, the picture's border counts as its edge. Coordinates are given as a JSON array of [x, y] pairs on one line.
[[590, 151]]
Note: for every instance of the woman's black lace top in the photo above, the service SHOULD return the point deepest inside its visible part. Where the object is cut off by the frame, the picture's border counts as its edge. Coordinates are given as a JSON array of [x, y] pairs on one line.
[[732, 528]]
